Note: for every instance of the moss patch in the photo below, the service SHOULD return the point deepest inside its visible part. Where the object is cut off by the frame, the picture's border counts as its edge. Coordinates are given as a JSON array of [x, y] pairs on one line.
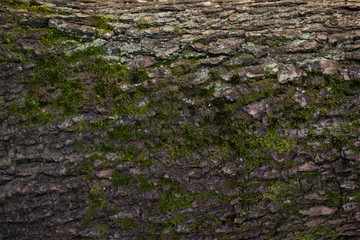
[[101, 22]]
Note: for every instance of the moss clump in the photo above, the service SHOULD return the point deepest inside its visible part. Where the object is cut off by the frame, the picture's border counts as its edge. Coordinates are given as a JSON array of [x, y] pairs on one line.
[[105, 148], [180, 141], [82, 56], [248, 199], [273, 142], [128, 154], [97, 203], [32, 109], [175, 198], [70, 97], [206, 92], [143, 24], [97, 200], [128, 224], [102, 228], [53, 38], [121, 132], [191, 137], [206, 222], [101, 22], [151, 236], [334, 198], [87, 166], [145, 185], [177, 220], [31, 6], [189, 65], [281, 191], [9, 44], [50, 70], [62, 90], [319, 232], [121, 180], [126, 108], [302, 116]]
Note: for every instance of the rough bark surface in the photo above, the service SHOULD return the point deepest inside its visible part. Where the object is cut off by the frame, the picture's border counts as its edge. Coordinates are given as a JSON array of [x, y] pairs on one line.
[[179, 119]]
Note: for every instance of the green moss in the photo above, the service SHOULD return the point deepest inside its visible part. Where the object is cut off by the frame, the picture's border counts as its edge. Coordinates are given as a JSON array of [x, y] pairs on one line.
[[177, 29], [207, 91], [248, 199], [151, 236], [121, 180], [42, 9], [334, 198], [8, 39], [40, 118], [265, 90], [31, 6], [55, 68], [87, 166], [256, 160], [145, 185], [53, 38], [70, 97], [188, 140], [206, 222], [50, 70], [241, 144], [81, 146], [145, 161], [175, 198], [280, 191], [110, 74], [83, 56], [56, 71], [275, 143], [174, 201], [143, 24], [101, 22], [339, 141], [126, 108], [100, 125], [105, 148], [168, 227], [222, 198], [121, 132], [102, 89], [128, 224], [201, 40], [103, 229], [189, 66], [33, 109], [9, 44], [336, 88], [137, 76], [128, 154], [97, 201], [301, 115], [319, 232], [304, 238], [191, 136], [177, 220], [356, 197]]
